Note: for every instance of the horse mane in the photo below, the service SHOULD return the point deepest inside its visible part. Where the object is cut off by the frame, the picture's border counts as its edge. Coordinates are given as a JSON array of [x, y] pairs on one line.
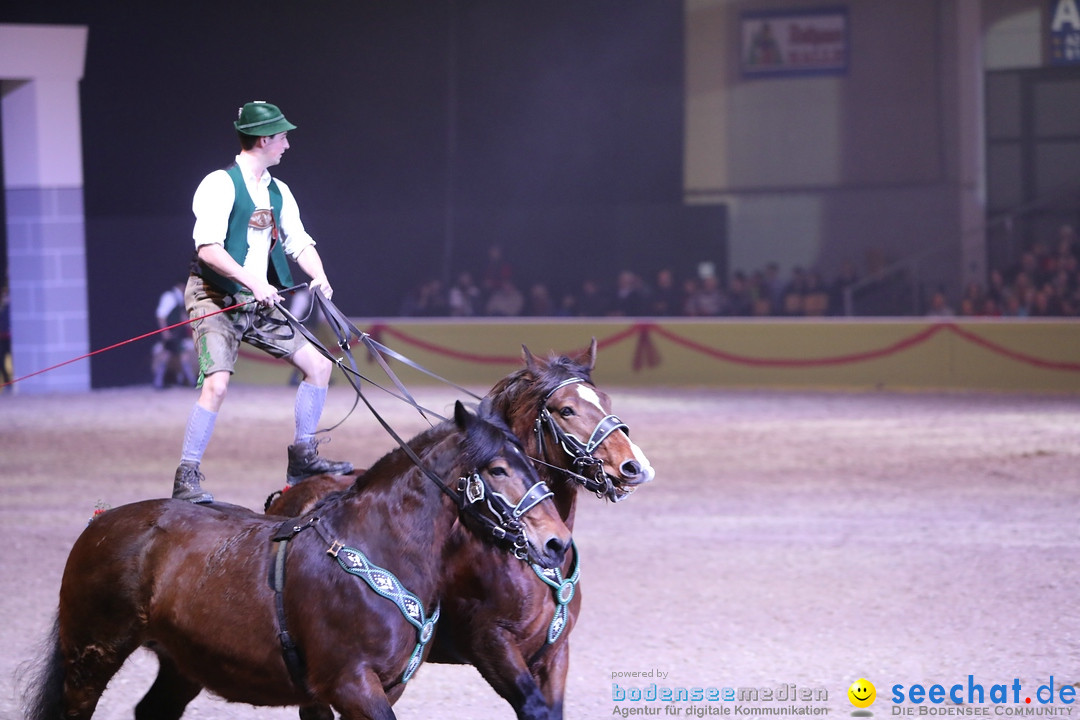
[[486, 438], [526, 386], [480, 443]]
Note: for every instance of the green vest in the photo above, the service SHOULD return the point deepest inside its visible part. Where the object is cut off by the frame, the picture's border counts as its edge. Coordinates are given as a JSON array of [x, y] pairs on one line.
[[236, 244]]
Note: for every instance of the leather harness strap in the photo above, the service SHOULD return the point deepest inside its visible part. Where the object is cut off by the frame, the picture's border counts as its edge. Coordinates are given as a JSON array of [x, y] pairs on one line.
[[294, 661]]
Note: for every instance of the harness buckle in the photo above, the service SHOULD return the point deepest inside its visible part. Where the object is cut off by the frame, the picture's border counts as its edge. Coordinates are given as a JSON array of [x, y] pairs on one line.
[[335, 548], [473, 488]]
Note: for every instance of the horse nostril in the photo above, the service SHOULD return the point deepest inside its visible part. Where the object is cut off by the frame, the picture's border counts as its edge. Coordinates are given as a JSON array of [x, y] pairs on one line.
[[630, 469], [556, 548]]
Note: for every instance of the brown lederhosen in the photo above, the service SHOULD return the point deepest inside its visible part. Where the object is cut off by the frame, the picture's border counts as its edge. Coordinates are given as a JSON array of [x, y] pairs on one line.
[[218, 337]]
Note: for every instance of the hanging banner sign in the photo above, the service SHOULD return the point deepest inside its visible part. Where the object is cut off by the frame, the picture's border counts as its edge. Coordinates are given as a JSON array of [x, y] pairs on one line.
[[796, 42], [1064, 32]]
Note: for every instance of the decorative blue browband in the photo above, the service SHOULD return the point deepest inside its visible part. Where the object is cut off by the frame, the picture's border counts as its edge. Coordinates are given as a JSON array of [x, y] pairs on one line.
[[564, 592], [386, 584]]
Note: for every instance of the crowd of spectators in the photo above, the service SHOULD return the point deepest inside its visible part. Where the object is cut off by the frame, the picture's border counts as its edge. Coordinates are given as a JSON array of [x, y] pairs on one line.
[[1045, 282], [702, 294]]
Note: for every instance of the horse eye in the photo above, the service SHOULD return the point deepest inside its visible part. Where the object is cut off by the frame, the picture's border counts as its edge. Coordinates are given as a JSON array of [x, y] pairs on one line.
[[497, 470], [567, 411]]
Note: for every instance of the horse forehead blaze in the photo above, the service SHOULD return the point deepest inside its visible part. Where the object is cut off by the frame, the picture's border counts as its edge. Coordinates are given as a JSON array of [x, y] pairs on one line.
[[590, 396]]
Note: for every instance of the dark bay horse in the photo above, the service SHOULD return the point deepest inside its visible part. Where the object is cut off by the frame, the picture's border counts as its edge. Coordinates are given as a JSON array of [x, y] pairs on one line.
[[501, 616], [193, 583]]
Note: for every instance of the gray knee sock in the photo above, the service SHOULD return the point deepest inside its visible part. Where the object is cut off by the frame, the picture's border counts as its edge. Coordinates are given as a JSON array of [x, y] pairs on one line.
[[199, 429], [309, 406]]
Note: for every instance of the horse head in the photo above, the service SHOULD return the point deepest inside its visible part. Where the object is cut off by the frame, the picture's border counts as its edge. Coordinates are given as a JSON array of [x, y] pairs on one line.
[[571, 426], [501, 496]]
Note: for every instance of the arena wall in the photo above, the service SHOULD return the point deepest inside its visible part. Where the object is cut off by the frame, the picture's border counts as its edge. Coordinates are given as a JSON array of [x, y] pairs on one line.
[[924, 355]]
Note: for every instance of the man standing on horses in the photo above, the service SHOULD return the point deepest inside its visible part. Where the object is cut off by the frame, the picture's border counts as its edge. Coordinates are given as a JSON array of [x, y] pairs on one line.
[[246, 223]]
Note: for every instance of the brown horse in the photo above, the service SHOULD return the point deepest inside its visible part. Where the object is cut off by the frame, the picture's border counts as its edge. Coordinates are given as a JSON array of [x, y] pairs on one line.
[[204, 586], [509, 619]]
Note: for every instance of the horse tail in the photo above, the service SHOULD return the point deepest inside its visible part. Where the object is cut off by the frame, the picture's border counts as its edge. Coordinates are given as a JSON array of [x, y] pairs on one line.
[[42, 680]]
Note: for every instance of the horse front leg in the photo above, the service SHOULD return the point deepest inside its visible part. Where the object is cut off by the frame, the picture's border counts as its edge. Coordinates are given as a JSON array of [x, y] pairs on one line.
[[316, 712], [502, 665], [551, 673], [361, 697]]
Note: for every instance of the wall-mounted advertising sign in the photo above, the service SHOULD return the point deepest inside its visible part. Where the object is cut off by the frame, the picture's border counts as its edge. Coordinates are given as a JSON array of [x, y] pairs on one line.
[[1064, 32], [795, 42]]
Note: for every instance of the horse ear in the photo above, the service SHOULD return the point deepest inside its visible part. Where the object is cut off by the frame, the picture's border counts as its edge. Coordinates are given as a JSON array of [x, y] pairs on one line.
[[530, 361], [587, 359], [462, 416]]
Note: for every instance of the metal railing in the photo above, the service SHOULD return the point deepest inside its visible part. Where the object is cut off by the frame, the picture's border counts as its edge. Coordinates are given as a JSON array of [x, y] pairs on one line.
[[911, 267]]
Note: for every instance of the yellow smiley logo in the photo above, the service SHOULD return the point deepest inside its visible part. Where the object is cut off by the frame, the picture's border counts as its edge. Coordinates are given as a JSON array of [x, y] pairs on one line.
[[862, 693]]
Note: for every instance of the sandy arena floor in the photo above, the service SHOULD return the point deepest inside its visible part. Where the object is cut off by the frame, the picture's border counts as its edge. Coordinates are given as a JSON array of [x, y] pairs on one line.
[[789, 538]]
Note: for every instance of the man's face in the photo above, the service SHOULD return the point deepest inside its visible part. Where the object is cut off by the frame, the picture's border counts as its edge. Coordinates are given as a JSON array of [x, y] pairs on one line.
[[274, 147]]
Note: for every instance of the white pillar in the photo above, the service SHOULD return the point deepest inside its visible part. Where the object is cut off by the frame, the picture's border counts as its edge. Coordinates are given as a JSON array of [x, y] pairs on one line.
[[40, 70], [971, 141]]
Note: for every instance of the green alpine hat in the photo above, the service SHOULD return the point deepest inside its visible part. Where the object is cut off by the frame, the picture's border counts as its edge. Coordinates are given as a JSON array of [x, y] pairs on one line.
[[261, 118]]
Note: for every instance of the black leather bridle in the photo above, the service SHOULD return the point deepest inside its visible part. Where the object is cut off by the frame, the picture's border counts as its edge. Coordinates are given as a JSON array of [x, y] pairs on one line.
[[504, 523], [588, 469]]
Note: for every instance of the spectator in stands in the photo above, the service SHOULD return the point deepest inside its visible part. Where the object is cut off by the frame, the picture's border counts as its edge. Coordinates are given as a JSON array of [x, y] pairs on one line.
[[794, 293], [497, 271], [1025, 265], [939, 305], [974, 300], [1023, 289], [775, 286], [689, 290], [539, 302], [505, 301], [996, 289], [1061, 293], [630, 299], [1011, 305], [428, 299], [567, 306], [464, 296], [815, 296], [740, 296], [665, 300], [433, 299], [759, 290], [1043, 303], [708, 299], [590, 300]]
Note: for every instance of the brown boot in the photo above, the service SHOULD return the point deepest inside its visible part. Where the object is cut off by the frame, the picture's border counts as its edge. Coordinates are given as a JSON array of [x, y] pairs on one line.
[[304, 461], [187, 485]]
